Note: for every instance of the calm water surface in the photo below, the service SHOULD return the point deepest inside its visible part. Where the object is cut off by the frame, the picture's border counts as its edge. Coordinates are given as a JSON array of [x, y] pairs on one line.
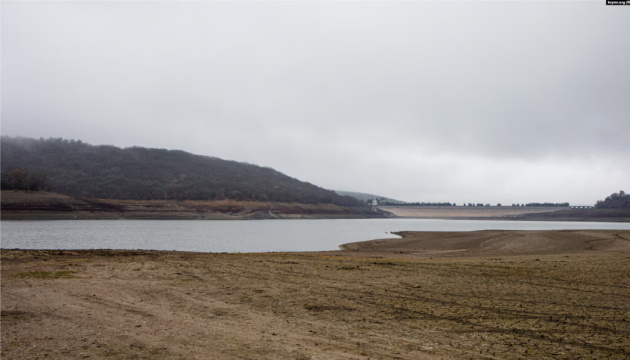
[[241, 236]]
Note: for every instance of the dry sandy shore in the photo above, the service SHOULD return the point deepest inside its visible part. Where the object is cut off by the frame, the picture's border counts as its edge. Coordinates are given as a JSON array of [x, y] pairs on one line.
[[478, 295], [450, 212]]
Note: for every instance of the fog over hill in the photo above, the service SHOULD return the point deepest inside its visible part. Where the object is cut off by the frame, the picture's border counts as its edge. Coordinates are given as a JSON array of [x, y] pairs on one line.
[[367, 197], [461, 101], [78, 169]]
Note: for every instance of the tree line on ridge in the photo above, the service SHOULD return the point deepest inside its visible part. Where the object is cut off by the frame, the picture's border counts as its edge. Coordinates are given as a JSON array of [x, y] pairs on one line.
[[78, 169]]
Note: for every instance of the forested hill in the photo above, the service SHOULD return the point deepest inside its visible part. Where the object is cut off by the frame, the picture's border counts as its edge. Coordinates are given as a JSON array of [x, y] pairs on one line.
[[81, 170], [618, 200]]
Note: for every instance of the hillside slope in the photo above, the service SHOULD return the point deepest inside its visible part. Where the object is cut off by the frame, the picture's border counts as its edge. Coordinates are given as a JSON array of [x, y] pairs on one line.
[[77, 169]]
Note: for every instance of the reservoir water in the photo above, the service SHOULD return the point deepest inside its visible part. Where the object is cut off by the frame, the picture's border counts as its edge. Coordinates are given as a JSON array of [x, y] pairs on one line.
[[242, 236]]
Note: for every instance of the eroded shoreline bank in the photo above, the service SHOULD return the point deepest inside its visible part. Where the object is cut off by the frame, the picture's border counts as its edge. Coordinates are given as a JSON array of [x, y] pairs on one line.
[[20, 205]]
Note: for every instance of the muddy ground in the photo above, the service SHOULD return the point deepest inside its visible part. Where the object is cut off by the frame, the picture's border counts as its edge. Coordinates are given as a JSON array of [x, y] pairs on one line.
[[478, 295]]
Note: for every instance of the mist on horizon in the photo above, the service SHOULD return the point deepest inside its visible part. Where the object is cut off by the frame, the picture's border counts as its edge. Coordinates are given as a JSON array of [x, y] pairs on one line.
[[475, 102]]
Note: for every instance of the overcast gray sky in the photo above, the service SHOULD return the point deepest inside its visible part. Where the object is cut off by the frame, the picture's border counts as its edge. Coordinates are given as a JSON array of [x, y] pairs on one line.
[[456, 101]]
